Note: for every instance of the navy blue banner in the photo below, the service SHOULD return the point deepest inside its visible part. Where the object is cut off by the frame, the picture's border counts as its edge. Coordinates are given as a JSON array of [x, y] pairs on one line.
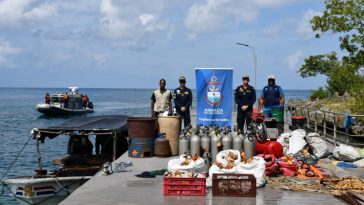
[[214, 96]]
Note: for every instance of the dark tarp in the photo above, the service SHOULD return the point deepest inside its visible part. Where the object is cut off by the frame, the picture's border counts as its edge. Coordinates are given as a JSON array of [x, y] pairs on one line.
[[95, 124]]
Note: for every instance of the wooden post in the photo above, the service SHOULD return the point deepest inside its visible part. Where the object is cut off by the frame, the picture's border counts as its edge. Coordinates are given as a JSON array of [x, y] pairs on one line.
[[315, 121], [308, 118], [347, 135], [114, 147], [325, 126], [334, 130]]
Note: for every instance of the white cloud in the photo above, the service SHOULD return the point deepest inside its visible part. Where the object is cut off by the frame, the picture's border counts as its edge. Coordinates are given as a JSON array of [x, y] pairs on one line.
[[304, 24], [100, 59], [213, 14], [274, 3], [41, 12], [6, 51], [293, 60], [272, 29], [135, 24], [15, 12]]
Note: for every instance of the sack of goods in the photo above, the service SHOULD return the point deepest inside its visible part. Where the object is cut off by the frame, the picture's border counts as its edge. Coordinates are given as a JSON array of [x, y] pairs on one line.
[[234, 162], [255, 166], [271, 165], [187, 163], [288, 165], [346, 153], [297, 141], [317, 145]]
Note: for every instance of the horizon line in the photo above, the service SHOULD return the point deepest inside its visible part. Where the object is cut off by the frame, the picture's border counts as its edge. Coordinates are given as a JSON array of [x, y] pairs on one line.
[[1, 87]]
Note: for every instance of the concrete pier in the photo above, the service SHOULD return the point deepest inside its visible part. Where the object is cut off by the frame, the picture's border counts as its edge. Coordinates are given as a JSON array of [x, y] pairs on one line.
[[126, 188]]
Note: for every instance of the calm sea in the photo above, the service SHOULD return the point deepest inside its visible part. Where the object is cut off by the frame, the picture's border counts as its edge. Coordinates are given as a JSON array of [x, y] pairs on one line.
[[18, 116]]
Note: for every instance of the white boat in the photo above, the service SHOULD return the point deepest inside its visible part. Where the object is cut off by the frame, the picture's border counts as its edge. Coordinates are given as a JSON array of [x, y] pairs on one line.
[[57, 106], [83, 160], [44, 190]]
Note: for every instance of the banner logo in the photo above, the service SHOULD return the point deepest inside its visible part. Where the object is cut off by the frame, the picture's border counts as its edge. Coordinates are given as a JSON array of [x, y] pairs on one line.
[[214, 96]]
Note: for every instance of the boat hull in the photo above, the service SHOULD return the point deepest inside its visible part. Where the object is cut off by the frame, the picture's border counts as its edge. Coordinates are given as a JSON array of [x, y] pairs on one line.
[[50, 190], [59, 111]]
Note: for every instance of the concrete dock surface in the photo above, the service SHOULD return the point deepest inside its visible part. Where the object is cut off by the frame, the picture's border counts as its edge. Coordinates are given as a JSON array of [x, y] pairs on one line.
[[127, 189]]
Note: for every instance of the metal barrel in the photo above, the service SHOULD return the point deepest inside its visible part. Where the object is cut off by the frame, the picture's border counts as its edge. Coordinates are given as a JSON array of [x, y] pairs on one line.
[[142, 127], [141, 147]]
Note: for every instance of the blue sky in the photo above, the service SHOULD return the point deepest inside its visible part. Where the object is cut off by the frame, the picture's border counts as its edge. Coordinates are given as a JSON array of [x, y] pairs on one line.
[[132, 44]]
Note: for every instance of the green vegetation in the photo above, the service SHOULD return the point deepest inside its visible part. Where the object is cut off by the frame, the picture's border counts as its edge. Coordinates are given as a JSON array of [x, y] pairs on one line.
[[319, 94], [358, 94], [336, 104], [345, 74]]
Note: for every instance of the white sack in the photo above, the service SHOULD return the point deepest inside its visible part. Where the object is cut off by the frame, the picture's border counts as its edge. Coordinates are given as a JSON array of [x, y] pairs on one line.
[[256, 167], [346, 153], [297, 141]]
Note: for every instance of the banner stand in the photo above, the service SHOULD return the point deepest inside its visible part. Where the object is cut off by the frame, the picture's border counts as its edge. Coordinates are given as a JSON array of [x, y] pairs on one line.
[[214, 96]]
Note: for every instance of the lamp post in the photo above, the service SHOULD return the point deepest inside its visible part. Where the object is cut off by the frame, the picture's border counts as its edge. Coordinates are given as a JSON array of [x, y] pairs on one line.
[[255, 62]]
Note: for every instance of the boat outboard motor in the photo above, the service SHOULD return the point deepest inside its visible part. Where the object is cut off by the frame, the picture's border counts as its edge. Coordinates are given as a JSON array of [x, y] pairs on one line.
[[90, 105], [249, 141], [238, 140], [195, 143], [227, 141], [205, 141], [184, 144]]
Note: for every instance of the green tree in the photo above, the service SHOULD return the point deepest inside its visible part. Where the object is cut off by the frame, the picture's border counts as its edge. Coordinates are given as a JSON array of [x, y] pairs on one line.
[[319, 94], [346, 18]]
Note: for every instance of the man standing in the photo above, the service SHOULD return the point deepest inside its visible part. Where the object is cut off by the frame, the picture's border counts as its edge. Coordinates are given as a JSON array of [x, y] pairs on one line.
[[183, 101], [85, 101], [161, 100], [272, 94], [245, 98], [65, 100], [47, 98]]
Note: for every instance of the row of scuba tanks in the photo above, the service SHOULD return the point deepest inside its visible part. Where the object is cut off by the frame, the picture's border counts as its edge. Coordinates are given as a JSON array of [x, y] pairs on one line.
[[202, 140]]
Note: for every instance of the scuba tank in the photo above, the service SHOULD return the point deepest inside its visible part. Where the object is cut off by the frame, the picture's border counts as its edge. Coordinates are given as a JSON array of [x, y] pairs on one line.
[[238, 140], [215, 143], [195, 143], [227, 140], [249, 143], [184, 143], [205, 141]]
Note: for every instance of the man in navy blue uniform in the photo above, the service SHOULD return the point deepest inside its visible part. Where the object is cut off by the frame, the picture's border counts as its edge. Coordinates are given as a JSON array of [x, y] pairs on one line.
[[272, 94], [245, 98], [183, 101]]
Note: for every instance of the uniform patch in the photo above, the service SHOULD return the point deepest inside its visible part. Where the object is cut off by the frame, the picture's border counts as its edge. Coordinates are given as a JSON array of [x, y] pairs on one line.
[[186, 93]]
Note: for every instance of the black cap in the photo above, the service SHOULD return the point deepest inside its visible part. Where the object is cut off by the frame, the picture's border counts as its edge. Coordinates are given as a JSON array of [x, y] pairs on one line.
[[182, 79]]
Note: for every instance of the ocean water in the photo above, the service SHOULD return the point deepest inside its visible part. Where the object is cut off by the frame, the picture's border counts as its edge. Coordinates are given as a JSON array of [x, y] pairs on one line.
[[18, 116]]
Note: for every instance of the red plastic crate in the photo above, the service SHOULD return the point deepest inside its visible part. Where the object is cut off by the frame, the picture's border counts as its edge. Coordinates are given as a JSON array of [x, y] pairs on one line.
[[184, 186]]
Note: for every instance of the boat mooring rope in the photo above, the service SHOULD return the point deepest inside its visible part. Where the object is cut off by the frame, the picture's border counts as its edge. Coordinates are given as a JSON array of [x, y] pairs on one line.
[[17, 156]]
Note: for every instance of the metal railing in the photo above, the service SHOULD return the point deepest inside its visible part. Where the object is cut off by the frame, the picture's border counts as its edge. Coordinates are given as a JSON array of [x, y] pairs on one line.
[[330, 130]]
